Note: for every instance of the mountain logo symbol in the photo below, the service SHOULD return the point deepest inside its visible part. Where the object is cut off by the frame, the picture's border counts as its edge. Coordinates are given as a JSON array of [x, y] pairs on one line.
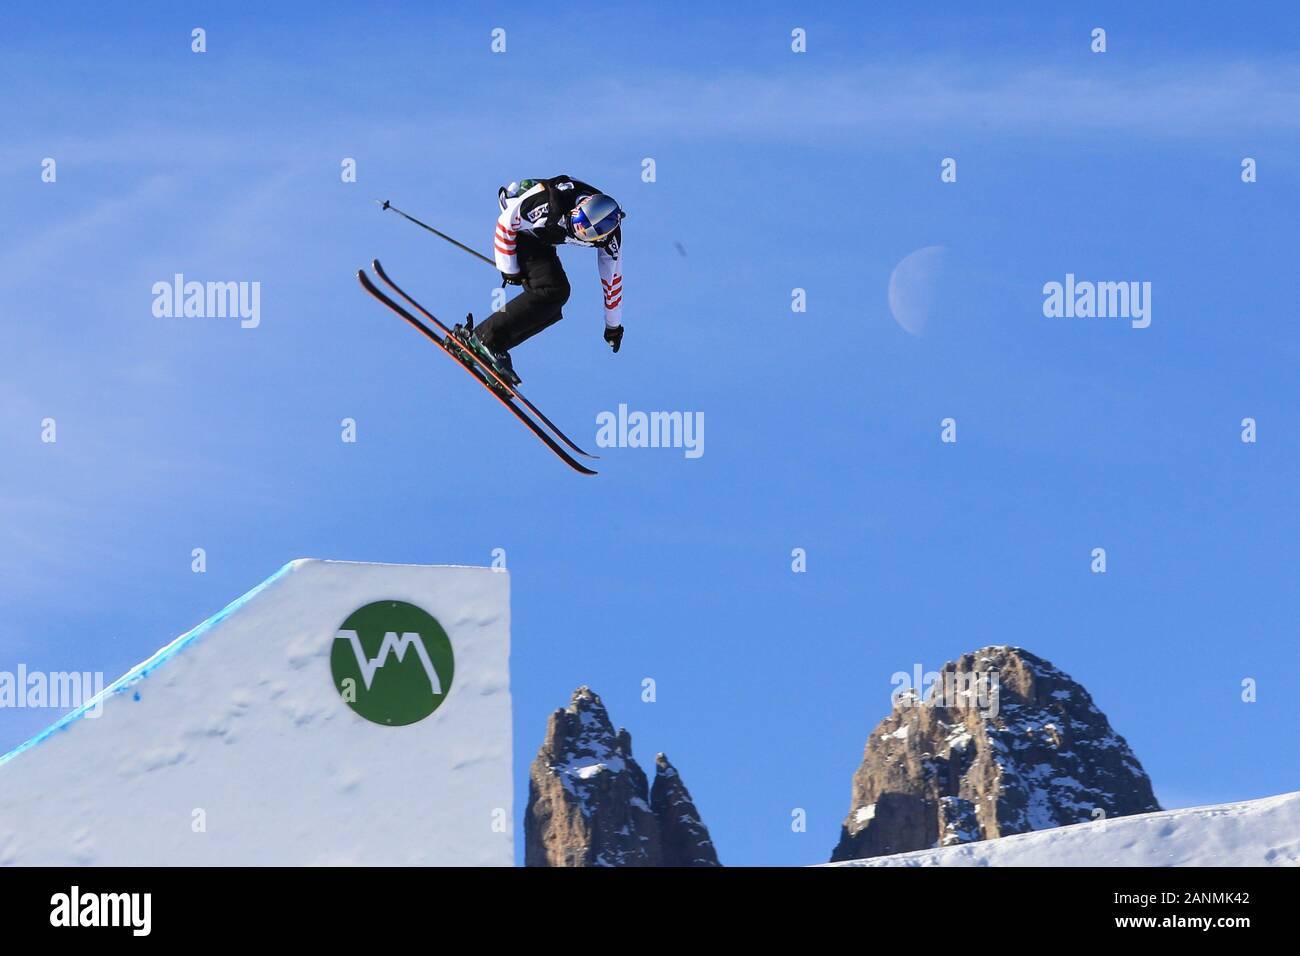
[[392, 663]]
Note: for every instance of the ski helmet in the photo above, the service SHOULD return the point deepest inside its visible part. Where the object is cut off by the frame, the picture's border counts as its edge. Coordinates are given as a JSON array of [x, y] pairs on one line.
[[595, 218]]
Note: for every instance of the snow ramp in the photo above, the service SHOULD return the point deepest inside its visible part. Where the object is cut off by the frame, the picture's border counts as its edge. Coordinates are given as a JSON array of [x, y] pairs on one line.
[[338, 713]]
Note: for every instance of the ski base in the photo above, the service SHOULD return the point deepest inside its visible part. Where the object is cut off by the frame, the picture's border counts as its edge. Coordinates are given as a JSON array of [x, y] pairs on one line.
[[487, 368], [484, 376]]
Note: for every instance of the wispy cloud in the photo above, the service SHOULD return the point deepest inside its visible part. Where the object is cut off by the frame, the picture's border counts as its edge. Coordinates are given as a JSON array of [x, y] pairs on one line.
[[893, 99], [82, 232], [1183, 100]]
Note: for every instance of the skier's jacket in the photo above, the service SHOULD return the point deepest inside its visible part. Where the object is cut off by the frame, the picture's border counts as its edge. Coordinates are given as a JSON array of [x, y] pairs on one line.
[[541, 208]]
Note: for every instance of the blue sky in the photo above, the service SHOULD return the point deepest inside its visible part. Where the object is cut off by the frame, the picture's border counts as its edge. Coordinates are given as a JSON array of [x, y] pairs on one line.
[[774, 171]]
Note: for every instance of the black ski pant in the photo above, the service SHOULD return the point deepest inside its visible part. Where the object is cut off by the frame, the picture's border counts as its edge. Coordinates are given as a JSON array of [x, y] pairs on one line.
[[546, 289]]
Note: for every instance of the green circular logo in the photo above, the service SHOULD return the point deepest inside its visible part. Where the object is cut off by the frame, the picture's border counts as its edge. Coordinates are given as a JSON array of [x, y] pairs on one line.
[[392, 663]]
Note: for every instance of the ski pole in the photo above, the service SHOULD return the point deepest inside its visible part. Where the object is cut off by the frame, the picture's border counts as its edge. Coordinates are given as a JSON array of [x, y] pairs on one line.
[[385, 204]]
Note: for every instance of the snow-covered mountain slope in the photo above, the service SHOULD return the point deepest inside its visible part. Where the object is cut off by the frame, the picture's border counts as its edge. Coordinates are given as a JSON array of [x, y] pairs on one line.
[[1255, 833], [338, 713]]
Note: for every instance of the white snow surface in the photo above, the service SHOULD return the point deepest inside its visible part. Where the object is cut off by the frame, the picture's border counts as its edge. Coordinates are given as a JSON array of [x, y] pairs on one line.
[[1254, 833], [239, 718]]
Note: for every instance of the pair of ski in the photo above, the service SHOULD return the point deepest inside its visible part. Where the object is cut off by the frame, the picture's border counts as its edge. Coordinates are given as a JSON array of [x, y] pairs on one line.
[[487, 376]]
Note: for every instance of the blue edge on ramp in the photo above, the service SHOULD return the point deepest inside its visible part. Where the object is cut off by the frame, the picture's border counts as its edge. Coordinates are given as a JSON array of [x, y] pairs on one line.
[[145, 668]]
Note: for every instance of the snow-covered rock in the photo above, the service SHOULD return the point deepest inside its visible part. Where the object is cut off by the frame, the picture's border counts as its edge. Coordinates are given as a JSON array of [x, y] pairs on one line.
[[1004, 742], [589, 803]]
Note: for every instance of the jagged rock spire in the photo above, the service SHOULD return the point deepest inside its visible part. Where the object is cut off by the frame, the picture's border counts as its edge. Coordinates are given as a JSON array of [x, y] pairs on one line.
[[684, 836], [589, 803]]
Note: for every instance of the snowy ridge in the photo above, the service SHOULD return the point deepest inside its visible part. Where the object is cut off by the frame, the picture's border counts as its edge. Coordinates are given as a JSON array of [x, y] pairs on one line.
[[1262, 832]]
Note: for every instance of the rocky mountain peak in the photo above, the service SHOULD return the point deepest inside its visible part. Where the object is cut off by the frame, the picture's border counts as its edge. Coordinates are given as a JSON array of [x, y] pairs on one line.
[[1000, 742], [584, 731], [589, 803]]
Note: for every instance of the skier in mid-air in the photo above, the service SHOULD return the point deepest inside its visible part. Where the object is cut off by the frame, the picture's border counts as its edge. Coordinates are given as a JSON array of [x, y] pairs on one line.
[[536, 216]]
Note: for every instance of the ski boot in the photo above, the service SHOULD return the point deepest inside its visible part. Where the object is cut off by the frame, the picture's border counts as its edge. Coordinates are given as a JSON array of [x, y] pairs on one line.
[[499, 362]]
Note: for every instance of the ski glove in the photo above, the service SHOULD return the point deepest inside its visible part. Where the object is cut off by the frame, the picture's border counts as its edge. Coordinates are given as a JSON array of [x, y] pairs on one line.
[[614, 336], [511, 278]]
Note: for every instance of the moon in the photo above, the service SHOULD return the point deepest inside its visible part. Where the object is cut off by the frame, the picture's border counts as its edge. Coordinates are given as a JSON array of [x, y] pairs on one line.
[[913, 288]]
